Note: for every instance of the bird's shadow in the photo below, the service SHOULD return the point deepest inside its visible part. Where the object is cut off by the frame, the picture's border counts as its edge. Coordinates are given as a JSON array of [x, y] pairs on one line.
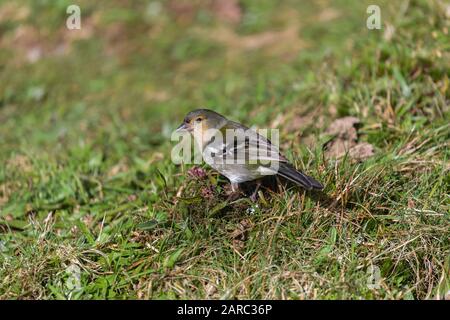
[[270, 187], [275, 184]]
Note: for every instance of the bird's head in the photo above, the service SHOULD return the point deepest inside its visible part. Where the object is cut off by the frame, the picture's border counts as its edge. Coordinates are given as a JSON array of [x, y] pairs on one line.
[[202, 120]]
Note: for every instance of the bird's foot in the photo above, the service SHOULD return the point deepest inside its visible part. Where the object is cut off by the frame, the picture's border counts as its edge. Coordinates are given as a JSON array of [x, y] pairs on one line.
[[254, 195]]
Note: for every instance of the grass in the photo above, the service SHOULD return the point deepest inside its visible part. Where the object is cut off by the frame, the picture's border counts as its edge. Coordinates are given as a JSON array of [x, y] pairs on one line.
[[91, 207]]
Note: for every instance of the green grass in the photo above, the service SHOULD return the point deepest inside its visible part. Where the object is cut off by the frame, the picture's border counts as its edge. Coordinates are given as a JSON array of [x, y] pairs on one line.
[[87, 184]]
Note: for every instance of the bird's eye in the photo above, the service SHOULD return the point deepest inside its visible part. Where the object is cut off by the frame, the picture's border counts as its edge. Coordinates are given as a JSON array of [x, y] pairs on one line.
[[198, 120]]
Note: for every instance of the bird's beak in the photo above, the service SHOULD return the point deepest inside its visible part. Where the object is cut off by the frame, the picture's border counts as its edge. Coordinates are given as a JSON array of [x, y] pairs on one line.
[[182, 128]]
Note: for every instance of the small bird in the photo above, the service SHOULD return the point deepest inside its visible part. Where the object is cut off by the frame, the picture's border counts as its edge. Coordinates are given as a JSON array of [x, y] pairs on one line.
[[246, 156]]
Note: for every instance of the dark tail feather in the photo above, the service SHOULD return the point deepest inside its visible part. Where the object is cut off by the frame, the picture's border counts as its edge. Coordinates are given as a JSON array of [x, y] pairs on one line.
[[287, 171]]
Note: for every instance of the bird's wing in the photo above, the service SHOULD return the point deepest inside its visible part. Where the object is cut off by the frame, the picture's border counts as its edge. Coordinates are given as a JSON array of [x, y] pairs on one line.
[[251, 147]]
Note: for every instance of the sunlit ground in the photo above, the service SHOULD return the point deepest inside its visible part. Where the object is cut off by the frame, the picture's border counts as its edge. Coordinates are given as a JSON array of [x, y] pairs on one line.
[[91, 205]]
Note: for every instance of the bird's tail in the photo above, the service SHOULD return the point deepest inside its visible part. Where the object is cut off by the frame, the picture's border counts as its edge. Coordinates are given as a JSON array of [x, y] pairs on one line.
[[287, 171]]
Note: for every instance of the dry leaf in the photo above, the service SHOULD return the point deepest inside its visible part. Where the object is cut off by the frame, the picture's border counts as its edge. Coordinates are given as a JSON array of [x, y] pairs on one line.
[[239, 235], [338, 147], [344, 127], [241, 229], [361, 151], [345, 140]]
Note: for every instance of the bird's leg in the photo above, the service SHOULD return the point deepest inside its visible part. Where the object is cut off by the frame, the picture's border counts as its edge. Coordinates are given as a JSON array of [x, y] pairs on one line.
[[255, 193], [234, 192]]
